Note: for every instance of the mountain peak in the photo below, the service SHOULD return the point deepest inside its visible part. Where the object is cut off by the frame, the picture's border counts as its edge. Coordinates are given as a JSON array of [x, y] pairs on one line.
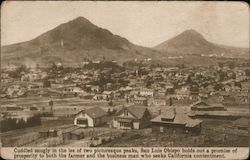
[[80, 18], [191, 33], [188, 39], [191, 42]]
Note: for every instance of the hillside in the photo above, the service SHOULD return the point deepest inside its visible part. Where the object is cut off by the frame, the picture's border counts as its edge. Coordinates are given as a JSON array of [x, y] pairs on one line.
[[79, 40], [72, 43], [190, 42]]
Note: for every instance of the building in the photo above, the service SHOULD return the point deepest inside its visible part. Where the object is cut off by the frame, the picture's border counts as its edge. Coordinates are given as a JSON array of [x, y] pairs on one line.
[[132, 117], [172, 122], [202, 109], [182, 93], [90, 117], [73, 90], [205, 106], [141, 100], [146, 92], [159, 101], [241, 124]]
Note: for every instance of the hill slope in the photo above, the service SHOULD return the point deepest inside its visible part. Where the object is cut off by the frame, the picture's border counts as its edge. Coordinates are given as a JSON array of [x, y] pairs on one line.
[[72, 43], [191, 42]]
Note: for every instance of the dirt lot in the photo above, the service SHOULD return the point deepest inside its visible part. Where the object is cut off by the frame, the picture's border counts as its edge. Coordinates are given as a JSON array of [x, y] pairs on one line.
[[9, 138], [215, 133]]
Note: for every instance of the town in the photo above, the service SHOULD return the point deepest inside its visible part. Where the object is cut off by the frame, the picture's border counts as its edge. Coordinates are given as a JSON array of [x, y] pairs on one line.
[[137, 103]]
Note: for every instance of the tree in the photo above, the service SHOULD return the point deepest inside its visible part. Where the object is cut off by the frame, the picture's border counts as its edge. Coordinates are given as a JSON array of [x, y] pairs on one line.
[[21, 124], [220, 64], [170, 101], [238, 84], [189, 80], [17, 71], [231, 65], [46, 83], [218, 87], [110, 103], [247, 71]]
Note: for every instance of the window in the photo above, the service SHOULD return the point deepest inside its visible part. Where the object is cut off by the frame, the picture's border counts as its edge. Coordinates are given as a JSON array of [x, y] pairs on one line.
[[126, 124], [82, 121], [161, 129]]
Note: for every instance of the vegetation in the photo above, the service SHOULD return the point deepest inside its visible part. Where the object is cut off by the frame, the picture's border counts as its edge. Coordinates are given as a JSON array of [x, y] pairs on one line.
[[17, 72], [13, 123]]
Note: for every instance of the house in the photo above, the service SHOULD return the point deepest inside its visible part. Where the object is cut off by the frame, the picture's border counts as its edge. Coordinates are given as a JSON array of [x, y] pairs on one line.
[[146, 92], [169, 85], [141, 100], [108, 95], [172, 122], [132, 117], [95, 89], [98, 97], [35, 85], [90, 117], [15, 91], [182, 92], [161, 92], [202, 109], [159, 101], [241, 124], [201, 105], [73, 91]]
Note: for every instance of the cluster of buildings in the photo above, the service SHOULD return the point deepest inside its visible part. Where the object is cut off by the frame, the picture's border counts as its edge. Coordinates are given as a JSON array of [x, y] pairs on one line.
[[148, 87]]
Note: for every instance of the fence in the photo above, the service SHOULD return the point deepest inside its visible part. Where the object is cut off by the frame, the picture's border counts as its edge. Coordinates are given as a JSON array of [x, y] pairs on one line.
[[20, 141]]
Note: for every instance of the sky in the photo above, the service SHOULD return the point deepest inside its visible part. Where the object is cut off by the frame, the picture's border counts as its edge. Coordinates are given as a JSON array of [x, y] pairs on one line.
[[143, 23]]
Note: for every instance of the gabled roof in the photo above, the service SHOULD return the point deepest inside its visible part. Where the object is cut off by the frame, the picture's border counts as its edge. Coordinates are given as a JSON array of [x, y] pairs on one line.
[[136, 110], [205, 104], [241, 122], [179, 117], [140, 98], [200, 103], [94, 112], [168, 114]]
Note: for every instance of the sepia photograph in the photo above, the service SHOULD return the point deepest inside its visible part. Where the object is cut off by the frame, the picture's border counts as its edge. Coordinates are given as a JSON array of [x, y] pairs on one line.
[[124, 74]]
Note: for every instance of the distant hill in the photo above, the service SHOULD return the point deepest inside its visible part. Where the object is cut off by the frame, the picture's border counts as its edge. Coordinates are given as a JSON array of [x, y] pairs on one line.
[[190, 42], [79, 40], [72, 43]]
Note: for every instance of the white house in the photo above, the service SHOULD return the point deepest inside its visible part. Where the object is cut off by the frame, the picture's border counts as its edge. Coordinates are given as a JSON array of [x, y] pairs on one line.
[[147, 92], [90, 117]]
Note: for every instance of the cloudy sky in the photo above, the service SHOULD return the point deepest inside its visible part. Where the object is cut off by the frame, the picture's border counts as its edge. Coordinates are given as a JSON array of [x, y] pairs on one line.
[[143, 23]]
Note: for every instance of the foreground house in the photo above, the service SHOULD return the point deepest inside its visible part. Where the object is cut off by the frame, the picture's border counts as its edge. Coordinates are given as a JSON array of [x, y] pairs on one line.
[[172, 122], [90, 117], [132, 117]]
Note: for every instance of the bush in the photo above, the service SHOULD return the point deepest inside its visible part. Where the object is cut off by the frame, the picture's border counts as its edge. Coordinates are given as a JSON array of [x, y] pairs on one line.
[[134, 136], [91, 145]]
